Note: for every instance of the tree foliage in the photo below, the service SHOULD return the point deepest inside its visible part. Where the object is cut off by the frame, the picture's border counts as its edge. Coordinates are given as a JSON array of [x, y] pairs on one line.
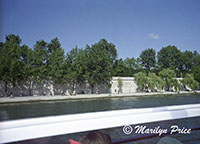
[[119, 68], [100, 59], [95, 64], [75, 68], [148, 59], [168, 57], [189, 81], [12, 67], [168, 76], [125, 67], [152, 82], [141, 80], [39, 61], [120, 84], [130, 66], [196, 59], [196, 73], [187, 61], [55, 61], [155, 82]]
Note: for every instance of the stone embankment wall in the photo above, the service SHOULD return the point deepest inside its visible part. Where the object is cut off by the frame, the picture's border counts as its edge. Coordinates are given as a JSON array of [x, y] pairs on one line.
[[128, 85], [47, 88]]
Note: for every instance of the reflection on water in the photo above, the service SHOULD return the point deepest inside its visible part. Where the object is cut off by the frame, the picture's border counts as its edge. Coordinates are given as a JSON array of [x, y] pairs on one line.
[[4, 115], [19, 111]]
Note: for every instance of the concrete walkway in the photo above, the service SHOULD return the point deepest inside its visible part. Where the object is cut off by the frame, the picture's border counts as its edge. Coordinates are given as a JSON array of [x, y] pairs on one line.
[[7, 100]]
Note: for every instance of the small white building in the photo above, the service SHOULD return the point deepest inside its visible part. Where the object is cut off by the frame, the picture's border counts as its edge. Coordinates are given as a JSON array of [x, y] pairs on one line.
[[128, 85]]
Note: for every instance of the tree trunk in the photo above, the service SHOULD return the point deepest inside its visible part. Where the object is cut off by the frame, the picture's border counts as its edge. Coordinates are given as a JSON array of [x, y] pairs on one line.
[[52, 85], [6, 87], [30, 87], [92, 88]]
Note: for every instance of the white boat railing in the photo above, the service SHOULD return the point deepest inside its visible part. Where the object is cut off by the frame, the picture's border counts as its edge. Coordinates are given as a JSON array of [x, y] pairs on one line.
[[18, 130]]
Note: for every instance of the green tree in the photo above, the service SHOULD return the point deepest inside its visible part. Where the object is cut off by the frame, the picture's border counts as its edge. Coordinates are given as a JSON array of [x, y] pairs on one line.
[[148, 59], [168, 76], [27, 59], [55, 61], [196, 66], [81, 64], [169, 57], [196, 59], [189, 81], [100, 59], [180, 67], [196, 73], [125, 67], [39, 62], [138, 66], [151, 82], [119, 68], [53, 46], [155, 82], [109, 48], [141, 80], [1, 60], [188, 61], [72, 69], [75, 68], [120, 84], [12, 68], [130, 66]]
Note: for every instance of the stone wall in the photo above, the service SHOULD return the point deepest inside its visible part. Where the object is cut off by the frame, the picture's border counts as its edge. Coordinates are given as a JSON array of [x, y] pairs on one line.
[[47, 88], [128, 85]]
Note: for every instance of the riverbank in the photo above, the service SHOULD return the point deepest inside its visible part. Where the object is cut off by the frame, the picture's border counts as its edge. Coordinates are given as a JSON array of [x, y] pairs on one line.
[[7, 100]]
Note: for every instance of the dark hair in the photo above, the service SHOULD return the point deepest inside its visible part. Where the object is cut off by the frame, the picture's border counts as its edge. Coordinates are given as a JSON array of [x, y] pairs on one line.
[[95, 137]]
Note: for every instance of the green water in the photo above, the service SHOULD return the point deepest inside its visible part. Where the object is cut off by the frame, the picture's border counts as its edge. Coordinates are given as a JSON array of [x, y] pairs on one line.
[[30, 110]]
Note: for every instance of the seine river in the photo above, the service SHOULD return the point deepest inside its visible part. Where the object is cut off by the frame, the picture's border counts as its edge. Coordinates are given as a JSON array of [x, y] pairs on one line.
[[30, 110]]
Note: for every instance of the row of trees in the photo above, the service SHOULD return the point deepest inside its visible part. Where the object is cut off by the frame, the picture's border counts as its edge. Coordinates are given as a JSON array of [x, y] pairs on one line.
[[168, 57], [164, 81], [95, 64], [47, 61]]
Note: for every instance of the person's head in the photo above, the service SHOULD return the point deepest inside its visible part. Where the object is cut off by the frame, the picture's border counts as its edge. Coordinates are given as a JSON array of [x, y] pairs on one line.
[[96, 137]]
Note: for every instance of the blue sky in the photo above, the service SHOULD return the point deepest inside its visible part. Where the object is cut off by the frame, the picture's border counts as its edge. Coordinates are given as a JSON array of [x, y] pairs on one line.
[[132, 25]]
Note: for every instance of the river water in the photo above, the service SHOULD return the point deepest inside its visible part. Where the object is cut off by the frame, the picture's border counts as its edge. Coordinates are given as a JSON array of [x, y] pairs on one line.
[[30, 110]]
